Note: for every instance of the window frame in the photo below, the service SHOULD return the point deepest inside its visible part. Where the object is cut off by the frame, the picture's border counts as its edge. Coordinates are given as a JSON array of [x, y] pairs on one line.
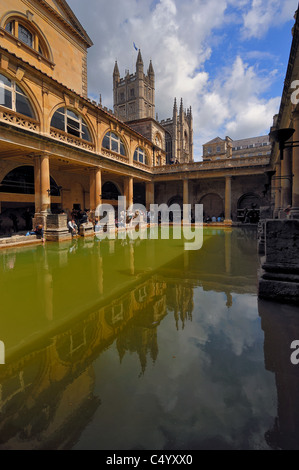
[[14, 89], [76, 118], [116, 140], [38, 44], [140, 151]]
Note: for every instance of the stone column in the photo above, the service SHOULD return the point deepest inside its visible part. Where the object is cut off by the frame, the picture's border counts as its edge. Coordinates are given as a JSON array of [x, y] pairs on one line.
[[150, 195], [186, 200], [95, 182], [37, 185], [41, 187], [295, 169], [277, 190], [45, 197], [228, 199], [286, 181], [98, 187], [129, 190]]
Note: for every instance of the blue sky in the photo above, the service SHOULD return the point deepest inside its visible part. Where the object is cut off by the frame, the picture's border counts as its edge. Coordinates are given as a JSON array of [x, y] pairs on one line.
[[225, 58]]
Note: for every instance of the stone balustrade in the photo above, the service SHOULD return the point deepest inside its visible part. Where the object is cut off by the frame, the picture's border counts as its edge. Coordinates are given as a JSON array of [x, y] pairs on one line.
[[11, 117], [218, 164]]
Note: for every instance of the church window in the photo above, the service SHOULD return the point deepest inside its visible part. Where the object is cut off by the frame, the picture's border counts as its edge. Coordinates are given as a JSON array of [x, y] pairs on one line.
[[70, 122], [140, 156], [114, 143], [132, 92], [13, 97]]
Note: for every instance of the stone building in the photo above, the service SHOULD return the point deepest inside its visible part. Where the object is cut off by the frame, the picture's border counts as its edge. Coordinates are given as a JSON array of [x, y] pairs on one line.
[[134, 103], [280, 278], [61, 151], [227, 148]]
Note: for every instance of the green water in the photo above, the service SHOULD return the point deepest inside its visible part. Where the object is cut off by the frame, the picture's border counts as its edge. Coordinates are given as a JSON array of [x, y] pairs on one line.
[[121, 345]]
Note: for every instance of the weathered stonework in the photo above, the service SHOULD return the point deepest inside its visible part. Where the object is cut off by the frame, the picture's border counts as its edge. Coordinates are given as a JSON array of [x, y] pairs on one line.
[[56, 230], [280, 278]]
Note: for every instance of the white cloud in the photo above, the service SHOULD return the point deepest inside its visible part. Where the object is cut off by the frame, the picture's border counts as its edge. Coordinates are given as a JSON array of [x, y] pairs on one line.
[[180, 38], [266, 13]]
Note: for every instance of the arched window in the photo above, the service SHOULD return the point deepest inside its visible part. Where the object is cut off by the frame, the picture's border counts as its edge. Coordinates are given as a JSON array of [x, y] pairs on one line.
[[140, 156], [27, 34], [113, 142], [68, 121], [13, 97]]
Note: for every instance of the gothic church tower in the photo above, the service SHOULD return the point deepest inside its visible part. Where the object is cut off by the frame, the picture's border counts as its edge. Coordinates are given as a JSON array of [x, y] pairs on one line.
[[134, 95]]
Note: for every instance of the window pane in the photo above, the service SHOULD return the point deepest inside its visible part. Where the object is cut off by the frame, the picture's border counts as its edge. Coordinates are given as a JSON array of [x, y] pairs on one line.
[[9, 27], [85, 133], [136, 156], [23, 106], [73, 127], [5, 98], [114, 136], [25, 36], [72, 114], [4, 81], [106, 142], [58, 121], [114, 146], [122, 149], [18, 89]]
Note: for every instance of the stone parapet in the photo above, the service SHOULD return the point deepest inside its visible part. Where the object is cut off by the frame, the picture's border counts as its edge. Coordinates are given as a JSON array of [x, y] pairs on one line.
[[279, 279]]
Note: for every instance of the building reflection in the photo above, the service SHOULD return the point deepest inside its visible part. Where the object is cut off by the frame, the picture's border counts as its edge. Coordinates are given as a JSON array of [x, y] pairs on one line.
[[280, 324], [47, 386]]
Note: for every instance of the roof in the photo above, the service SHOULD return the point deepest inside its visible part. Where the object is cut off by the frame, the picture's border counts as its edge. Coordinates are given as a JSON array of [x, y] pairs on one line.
[[62, 11], [215, 141]]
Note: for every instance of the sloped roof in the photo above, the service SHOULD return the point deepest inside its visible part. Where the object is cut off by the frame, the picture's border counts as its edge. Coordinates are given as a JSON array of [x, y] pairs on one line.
[[214, 141], [61, 10]]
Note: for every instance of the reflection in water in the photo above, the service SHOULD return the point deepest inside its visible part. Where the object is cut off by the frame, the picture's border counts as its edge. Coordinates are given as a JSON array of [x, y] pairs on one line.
[[281, 326], [130, 345]]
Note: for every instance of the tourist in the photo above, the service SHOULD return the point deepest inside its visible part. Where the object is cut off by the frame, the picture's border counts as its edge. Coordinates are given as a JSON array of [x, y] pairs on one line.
[[73, 228], [39, 232], [288, 211]]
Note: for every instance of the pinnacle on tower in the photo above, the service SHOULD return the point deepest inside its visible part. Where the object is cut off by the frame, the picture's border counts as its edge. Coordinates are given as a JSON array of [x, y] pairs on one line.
[[175, 107], [175, 112], [151, 69], [116, 70], [139, 62], [182, 107]]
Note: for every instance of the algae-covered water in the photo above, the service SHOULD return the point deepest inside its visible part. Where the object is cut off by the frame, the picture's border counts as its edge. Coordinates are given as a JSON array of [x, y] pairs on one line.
[[130, 345]]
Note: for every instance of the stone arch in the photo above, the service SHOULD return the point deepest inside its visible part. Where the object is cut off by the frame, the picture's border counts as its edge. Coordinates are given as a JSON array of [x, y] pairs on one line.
[[20, 180], [249, 201], [212, 205], [176, 200], [110, 191]]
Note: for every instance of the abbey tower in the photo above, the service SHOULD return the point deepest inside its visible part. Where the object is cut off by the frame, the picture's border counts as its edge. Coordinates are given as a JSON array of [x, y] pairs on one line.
[[134, 103]]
